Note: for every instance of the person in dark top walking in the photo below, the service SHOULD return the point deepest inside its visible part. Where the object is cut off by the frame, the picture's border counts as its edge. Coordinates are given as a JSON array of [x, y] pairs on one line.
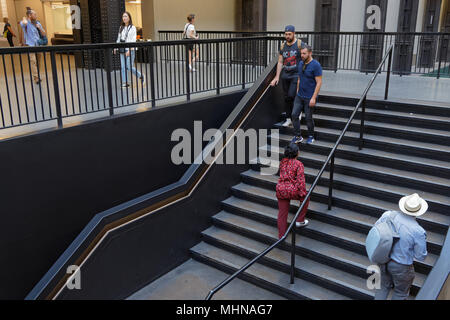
[[291, 186], [308, 88], [287, 70], [8, 32]]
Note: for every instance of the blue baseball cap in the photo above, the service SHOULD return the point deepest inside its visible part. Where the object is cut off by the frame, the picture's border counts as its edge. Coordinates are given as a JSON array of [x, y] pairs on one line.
[[289, 28]]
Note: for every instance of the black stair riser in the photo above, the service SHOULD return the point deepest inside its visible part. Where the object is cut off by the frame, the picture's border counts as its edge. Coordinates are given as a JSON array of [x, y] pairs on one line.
[[421, 135], [372, 159], [282, 291], [364, 191], [374, 176], [385, 118], [359, 271], [298, 272], [378, 145], [316, 215], [432, 248], [420, 267], [388, 105]]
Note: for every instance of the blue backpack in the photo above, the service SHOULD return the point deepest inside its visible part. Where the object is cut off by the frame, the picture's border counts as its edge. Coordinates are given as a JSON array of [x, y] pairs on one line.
[[381, 239]]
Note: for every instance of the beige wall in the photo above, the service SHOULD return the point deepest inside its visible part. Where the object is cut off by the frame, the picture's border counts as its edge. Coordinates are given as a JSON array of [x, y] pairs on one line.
[[136, 13], [355, 8], [36, 5], [283, 12], [12, 18], [210, 14], [148, 23]]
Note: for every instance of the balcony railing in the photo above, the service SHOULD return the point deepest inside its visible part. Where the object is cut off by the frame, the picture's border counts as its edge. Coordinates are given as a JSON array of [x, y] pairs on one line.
[[86, 79], [425, 54]]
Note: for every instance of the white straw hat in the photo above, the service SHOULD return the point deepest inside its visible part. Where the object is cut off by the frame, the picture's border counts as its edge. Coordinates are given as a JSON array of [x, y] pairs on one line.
[[413, 205]]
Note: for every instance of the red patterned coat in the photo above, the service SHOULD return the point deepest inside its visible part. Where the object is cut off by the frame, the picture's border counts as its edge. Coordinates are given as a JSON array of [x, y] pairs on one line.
[[291, 184]]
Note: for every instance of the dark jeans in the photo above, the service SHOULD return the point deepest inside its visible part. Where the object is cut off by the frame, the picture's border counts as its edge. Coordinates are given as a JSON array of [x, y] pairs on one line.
[[289, 84], [302, 105], [10, 40], [395, 276]]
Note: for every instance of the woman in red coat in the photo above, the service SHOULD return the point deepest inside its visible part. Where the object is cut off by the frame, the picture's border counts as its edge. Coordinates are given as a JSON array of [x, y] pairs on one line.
[[291, 186]]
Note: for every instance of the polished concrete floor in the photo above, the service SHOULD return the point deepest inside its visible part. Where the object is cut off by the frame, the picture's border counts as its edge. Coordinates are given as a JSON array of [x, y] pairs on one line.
[[410, 87], [193, 281]]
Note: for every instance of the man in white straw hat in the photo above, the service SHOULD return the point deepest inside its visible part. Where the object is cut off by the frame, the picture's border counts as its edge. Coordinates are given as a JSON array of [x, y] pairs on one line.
[[399, 273]]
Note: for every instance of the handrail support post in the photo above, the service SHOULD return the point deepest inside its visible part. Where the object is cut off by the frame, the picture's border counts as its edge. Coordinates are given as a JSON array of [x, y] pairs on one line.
[[294, 231], [363, 116], [56, 89], [388, 77], [330, 187]]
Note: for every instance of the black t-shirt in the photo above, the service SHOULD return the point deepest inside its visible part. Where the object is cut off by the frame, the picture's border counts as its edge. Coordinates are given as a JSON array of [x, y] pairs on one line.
[[291, 57], [6, 29]]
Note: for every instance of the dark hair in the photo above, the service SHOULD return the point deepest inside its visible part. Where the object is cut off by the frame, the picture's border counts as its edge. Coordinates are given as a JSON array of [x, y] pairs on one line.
[[291, 151], [29, 11], [122, 24], [191, 17], [307, 47]]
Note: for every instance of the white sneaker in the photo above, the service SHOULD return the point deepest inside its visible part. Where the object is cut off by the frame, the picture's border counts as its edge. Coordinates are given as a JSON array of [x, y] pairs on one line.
[[287, 123], [302, 224]]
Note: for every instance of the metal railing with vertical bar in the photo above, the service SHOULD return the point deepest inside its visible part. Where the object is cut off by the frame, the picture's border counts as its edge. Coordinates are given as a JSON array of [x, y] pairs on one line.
[[328, 163], [75, 80], [421, 53]]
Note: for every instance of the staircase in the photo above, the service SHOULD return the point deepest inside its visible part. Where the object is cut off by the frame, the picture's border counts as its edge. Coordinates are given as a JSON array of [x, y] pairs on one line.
[[406, 150]]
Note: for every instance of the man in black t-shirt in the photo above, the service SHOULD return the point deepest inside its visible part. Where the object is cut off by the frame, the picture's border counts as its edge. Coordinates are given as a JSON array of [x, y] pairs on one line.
[[287, 69]]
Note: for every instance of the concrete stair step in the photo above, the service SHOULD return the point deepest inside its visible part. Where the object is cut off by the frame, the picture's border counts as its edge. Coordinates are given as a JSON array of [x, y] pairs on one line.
[[352, 252], [375, 172], [248, 233], [267, 196], [397, 142], [324, 275], [419, 164], [387, 195], [261, 275]]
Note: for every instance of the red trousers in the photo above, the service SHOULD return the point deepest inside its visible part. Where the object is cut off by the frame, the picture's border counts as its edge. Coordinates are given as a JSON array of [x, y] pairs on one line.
[[283, 211]]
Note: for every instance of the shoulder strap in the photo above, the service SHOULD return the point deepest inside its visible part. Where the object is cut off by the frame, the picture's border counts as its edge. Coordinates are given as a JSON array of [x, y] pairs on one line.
[[126, 34], [186, 28]]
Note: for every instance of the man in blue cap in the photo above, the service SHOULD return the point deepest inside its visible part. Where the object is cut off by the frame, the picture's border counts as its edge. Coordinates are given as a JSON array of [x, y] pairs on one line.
[[287, 70]]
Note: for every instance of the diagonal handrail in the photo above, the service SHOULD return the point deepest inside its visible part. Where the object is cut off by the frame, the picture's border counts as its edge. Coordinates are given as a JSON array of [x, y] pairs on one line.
[[331, 156]]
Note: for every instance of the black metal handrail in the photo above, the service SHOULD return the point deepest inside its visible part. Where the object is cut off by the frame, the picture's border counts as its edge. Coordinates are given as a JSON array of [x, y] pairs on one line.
[[424, 53], [330, 159], [73, 80], [300, 32]]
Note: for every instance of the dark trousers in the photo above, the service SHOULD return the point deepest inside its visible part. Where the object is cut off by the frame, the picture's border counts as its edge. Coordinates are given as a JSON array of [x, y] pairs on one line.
[[302, 105], [283, 211], [289, 84], [10, 40]]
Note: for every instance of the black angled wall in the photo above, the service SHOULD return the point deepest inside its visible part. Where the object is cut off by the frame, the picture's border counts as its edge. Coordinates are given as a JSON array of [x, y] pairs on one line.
[[54, 182]]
